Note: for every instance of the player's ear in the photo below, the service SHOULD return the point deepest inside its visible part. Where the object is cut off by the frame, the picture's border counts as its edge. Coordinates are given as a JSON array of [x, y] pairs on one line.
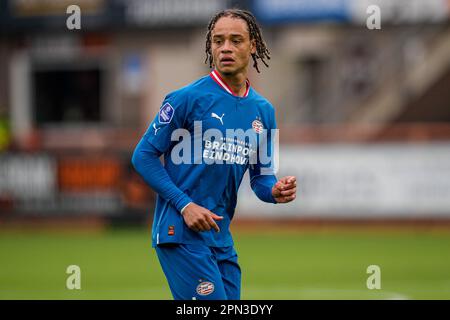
[[253, 46]]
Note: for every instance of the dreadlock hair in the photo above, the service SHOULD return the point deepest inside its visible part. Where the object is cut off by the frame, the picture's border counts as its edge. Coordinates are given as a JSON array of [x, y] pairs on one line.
[[262, 53]]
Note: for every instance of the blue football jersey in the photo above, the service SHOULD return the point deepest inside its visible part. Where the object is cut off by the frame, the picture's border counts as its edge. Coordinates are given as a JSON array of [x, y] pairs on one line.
[[209, 137]]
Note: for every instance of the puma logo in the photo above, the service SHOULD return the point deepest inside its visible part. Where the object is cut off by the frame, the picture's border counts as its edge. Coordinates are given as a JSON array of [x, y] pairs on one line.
[[214, 115], [156, 129]]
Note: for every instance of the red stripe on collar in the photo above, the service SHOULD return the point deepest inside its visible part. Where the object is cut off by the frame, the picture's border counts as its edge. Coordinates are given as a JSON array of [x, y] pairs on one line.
[[247, 84], [219, 80]]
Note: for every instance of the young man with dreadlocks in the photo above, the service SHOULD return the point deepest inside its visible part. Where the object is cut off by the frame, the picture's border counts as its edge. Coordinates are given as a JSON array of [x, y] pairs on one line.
[[197, 198]]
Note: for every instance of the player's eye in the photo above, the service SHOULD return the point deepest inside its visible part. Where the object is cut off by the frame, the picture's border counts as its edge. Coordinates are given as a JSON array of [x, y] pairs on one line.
[[236, 41], [217, 41]]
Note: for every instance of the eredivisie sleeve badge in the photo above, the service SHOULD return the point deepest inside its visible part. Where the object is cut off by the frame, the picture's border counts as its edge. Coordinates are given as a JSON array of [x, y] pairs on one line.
[[166, 113]]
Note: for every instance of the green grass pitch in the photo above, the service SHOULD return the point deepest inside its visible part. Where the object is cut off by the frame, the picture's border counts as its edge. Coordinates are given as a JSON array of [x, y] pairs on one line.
[[120, 264]]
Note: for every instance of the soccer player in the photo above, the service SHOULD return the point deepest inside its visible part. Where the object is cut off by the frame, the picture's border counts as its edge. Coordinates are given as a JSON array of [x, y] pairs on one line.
[[197, 191]]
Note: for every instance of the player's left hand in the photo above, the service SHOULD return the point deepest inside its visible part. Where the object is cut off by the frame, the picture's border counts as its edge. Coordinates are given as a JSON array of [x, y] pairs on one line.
[[285, 189]]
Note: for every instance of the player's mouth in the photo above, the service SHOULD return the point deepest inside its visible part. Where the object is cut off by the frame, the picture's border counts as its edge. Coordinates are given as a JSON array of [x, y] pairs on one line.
[[227, 61]]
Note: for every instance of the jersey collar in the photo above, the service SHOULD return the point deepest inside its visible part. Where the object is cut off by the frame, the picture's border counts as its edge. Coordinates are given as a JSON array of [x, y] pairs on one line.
[[218, 79]]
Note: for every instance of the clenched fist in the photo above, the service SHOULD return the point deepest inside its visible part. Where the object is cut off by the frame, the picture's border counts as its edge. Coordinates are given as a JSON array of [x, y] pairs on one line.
[[285, 189]]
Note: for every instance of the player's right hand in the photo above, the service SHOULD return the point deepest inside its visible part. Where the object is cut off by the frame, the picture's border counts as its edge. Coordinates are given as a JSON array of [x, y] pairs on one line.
[[199, 218]]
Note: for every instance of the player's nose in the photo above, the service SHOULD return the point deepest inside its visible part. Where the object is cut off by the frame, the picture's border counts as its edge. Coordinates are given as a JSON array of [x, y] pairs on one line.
[[226, 47]]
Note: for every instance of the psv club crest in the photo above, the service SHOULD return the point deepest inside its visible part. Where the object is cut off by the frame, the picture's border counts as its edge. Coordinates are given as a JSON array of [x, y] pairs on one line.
[[205, 288], [257, 126]]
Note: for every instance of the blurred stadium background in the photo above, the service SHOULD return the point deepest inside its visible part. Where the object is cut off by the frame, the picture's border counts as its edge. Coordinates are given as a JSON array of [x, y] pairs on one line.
[[364, 118]]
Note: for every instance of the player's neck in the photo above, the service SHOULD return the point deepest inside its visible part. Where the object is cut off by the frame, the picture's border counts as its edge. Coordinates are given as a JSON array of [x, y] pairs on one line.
[[236, 82]]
